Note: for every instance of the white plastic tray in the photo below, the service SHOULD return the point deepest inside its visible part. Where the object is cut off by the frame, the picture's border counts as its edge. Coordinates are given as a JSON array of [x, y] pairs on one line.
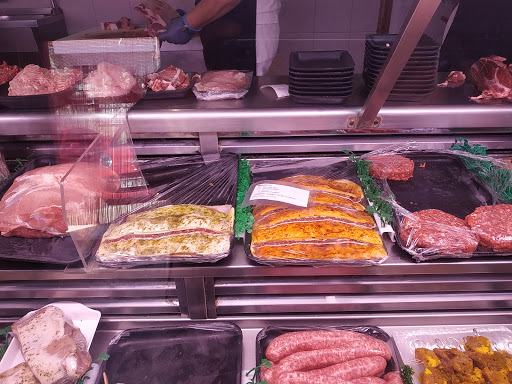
[[86, 319], [408, 340]]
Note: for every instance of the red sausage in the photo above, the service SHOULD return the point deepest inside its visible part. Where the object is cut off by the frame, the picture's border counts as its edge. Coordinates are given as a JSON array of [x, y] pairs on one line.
[[348, 370], [292, 342], [368, 380], [299, 378], [268, 373], [307, 360], [393, 378]]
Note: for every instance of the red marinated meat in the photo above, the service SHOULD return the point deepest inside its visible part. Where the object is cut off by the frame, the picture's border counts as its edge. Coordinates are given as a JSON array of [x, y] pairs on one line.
[[155, 24], [168, 79], [433, 231], [7, 72], [229, 80], [455, 79], [109, 80], [34, 80], [392, 167], [492, 77], [493, 226]]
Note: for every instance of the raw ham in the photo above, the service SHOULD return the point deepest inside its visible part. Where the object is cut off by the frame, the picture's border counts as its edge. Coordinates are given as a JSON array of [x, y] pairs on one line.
[[455, 79], [123, 24], [7, 72], [54, 349], [169, 79], [230, 80], [157, 14], [109, 80], [34, 80], [32, 206], [492, 77]]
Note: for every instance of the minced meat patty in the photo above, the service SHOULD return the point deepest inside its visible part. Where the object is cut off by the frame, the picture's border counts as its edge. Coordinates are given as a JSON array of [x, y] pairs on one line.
[[436, 232], [391, 167], [493, 226]]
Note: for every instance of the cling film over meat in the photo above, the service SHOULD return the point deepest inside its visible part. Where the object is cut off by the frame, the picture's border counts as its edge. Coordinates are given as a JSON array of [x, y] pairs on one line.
[[332, 228]]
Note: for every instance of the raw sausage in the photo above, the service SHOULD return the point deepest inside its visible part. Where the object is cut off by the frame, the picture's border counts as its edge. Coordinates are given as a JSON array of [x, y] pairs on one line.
[[393, 378], [299, 379], [349, 370], [291, 342], [306, 360]]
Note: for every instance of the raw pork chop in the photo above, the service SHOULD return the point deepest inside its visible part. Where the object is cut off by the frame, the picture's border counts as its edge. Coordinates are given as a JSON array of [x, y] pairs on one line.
[[54, 349], [157, 13], [168, 79], [32, 206], [455, 79], [34, 80], [492, 77], [230, 80], [493, 226], [109, 80], [7, 72], [20, 374], [392, 167]]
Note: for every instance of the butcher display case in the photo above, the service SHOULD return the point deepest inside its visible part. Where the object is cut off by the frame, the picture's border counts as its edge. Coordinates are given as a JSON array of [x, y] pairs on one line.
[[397, 293]]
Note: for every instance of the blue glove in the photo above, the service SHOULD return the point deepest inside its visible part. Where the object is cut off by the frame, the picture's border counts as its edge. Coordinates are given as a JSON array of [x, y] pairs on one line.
[[178, 31]]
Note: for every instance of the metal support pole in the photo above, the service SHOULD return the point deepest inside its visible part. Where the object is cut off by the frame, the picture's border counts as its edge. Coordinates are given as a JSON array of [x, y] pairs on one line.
[[406, 41]]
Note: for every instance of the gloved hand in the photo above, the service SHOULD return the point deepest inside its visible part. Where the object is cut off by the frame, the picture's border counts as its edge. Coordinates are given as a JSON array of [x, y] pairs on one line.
[[178, 31]]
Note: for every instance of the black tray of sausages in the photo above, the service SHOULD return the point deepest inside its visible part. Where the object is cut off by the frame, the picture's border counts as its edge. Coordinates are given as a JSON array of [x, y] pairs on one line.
[[440, 181], [53, 250], [189, 354], [266, 335]]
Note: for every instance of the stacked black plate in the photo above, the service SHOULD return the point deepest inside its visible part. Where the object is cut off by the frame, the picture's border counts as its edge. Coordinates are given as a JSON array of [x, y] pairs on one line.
[[419, 76], [320, 76]]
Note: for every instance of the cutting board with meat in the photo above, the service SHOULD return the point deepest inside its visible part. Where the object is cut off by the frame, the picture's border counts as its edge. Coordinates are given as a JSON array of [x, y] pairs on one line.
[[54, 250], [333, 228], [359, 354], [192, 353], [442, 210]]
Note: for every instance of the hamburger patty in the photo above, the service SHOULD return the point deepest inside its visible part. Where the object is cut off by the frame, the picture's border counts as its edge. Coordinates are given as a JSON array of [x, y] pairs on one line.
[[392, 167], [437, 232], [493, 226]]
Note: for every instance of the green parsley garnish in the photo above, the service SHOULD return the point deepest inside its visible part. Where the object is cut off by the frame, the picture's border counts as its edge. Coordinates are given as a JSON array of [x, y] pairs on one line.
[[406, 372], [264, 363], [5, 332], [102, 356], [243, 216], [379, 206]]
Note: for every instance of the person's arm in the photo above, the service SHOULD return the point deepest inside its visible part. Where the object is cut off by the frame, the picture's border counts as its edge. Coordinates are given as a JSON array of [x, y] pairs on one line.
[[209, 10]]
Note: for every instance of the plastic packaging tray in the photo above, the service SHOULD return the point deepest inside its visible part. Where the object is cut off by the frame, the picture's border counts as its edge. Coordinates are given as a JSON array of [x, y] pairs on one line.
[[306, 61], [266, 335], [426, 43], [193, 353], [223, 95], [45, 101], [176, 94], [407, 341], [54, 250]]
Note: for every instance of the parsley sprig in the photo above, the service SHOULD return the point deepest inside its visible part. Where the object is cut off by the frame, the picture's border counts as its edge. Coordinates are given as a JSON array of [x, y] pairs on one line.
[[497, 178], [373, 193], [243, 216], [254, 371], [406, 372], [5, 332], [102, 356]]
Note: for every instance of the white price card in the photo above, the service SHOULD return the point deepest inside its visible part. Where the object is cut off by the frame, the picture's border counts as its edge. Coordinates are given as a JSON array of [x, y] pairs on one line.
[[281, 193]]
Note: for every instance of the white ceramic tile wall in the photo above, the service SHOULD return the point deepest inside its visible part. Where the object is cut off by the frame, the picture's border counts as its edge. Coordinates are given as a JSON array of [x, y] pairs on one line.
[[364, 15], [297, 16], [331, 41], [333, 15]]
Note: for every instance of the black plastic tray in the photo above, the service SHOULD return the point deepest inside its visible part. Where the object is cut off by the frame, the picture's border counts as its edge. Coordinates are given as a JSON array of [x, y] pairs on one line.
[[176, 94], [321, 76], [411, 64], [195, 353], [45, 101], [301, 99], [54, 250], [316, 83], [266, 335], [444, 183], [338, 60], [415, 55], [380, 41], [301, 92], [405, 84], [419, 72]]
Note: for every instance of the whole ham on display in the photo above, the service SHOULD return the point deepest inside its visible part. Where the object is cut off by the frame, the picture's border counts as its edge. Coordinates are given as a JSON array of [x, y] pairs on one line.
[[169, 79], [492, 77], [109, 80], [53, 348], [34, 80], [32, 206], [7, 72]]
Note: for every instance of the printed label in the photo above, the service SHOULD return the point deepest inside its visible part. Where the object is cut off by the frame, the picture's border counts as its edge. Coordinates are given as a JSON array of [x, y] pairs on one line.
[[281, 193]]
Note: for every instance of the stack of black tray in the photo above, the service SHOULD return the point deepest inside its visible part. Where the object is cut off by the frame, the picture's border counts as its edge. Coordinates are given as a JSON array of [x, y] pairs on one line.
[[320, 76], [419, 76]]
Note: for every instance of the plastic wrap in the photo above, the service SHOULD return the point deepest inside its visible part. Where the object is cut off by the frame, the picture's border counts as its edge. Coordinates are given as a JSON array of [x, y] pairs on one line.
[[192, 353], [319, 219], [408, 339], [303, 343], [221, 85], [54, 342], [443, 210]]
